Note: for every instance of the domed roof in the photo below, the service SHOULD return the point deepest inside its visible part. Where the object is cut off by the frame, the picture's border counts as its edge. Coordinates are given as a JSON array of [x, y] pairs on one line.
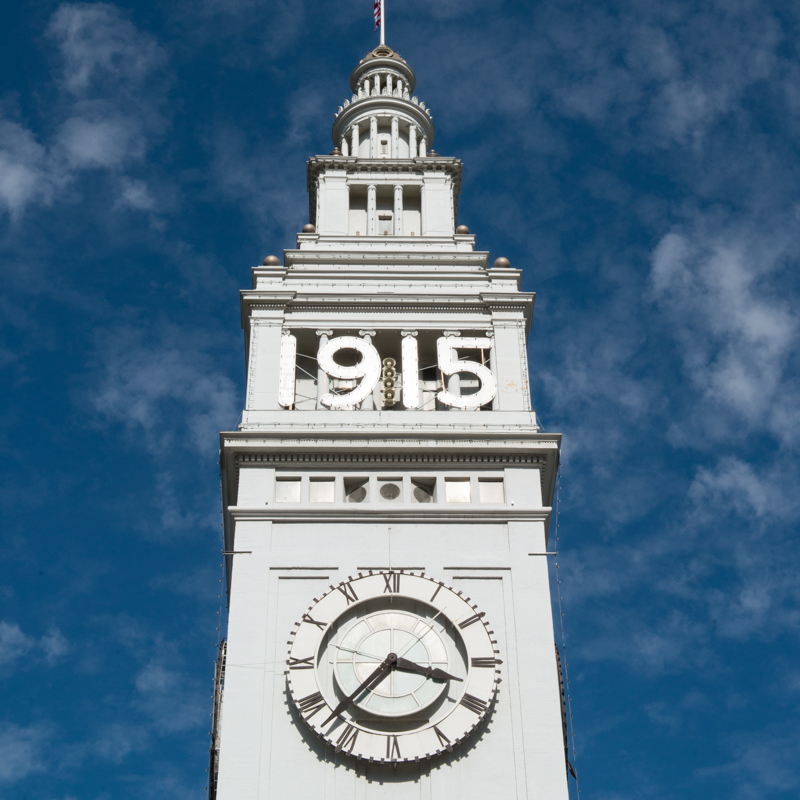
[[383, 56], [383, 51]]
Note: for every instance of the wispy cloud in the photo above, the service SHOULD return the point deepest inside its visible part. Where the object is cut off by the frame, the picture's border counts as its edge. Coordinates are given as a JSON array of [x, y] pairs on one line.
[[108, 107], [14, 644], [22, 750], [149, 382]]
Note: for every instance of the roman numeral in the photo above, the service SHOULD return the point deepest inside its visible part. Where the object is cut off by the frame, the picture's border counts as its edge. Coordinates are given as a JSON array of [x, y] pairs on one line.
[[301, 663], [485, 662], [311, 704], [443, 740], [392, 748], [392, 580], [474, 704], [349, 592], [435, 593], [347, 739], [470, 620], [320, 625]]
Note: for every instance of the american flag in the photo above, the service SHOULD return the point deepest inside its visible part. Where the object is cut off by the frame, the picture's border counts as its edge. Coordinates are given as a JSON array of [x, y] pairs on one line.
[[376, 12]]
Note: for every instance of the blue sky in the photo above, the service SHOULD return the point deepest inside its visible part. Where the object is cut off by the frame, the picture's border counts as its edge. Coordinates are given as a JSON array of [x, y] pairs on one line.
[[639, 160]]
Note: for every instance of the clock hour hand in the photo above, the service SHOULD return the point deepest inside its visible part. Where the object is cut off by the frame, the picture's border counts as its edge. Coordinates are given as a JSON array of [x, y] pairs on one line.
[[430, 672], [370, 683]]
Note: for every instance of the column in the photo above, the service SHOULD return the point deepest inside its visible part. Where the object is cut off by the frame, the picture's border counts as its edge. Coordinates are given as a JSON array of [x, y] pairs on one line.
[[395, 137], [389, 79], [398, 210], [454, 380], [423, 147], [493, 366], [322, 378], [412, 141], [399, 87], [368, 404], [373, 137], [372, 210], [409, 366], [376, 85], [343, 146], [354, 140]]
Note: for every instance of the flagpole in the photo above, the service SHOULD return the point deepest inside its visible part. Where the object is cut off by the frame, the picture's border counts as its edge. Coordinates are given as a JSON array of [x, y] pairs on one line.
[[383, 14]]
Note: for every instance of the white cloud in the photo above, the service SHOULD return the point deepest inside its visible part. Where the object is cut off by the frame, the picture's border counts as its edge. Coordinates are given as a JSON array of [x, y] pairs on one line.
[[99, 46], [21, 751], [106, 116], [24, 174], [14, 644], [165, 695], [737, 335], [167, 391], [99, 144]]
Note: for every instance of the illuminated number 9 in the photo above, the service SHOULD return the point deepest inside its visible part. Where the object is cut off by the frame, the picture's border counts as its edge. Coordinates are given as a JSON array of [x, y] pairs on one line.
[[368, 369]]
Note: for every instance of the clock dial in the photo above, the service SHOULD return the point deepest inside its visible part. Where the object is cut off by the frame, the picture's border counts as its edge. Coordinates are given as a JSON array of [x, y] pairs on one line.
[[392, 666]]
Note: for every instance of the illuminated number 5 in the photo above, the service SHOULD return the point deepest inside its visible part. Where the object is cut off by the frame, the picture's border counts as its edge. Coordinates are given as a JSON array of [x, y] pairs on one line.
[[368, 369], [449, 364]]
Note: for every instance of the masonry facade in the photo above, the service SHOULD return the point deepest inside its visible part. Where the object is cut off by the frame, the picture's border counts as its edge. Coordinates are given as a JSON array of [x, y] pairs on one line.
[[388, 445]]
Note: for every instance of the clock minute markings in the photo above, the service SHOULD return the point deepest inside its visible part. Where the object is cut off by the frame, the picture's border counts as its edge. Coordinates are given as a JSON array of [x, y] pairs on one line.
[[301, 663]]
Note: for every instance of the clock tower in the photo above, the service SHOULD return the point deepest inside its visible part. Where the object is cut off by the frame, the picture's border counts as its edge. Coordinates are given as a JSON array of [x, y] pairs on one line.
[[387, 497]]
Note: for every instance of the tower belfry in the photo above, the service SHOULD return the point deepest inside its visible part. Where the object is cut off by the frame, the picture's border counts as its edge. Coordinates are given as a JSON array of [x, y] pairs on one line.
[[388, 494]]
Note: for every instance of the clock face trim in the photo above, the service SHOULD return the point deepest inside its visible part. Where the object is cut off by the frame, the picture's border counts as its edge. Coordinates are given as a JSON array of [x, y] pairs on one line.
[[441, 685]]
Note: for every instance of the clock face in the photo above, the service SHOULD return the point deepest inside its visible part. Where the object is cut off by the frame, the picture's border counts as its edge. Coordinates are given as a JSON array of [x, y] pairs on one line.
[[392, 666]]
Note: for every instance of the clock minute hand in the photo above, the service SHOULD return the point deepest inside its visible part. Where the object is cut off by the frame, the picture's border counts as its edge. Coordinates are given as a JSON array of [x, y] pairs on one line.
[[430, 672], [370, 683]]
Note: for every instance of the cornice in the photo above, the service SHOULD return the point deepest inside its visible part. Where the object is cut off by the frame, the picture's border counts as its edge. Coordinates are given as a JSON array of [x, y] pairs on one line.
[[448, 459], [349, 513]]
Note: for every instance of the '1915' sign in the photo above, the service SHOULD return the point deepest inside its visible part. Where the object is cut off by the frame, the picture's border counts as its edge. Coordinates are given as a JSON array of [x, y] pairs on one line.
[[367, 372]]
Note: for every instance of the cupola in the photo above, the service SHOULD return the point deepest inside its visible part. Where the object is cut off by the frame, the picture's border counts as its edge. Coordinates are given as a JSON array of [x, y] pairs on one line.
[[383, 118]]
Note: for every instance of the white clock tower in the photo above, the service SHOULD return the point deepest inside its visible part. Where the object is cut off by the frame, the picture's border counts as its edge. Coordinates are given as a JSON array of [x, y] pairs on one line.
[[387, 497]]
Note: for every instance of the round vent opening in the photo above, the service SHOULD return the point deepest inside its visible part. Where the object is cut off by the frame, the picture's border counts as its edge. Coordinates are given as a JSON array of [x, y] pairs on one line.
[[390, 491]]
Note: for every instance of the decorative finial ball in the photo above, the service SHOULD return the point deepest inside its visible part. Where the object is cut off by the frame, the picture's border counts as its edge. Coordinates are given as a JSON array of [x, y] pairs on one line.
[[462, 229], [272, 261], [309, 228], [433, 154], [336, 151], [502, 263]]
